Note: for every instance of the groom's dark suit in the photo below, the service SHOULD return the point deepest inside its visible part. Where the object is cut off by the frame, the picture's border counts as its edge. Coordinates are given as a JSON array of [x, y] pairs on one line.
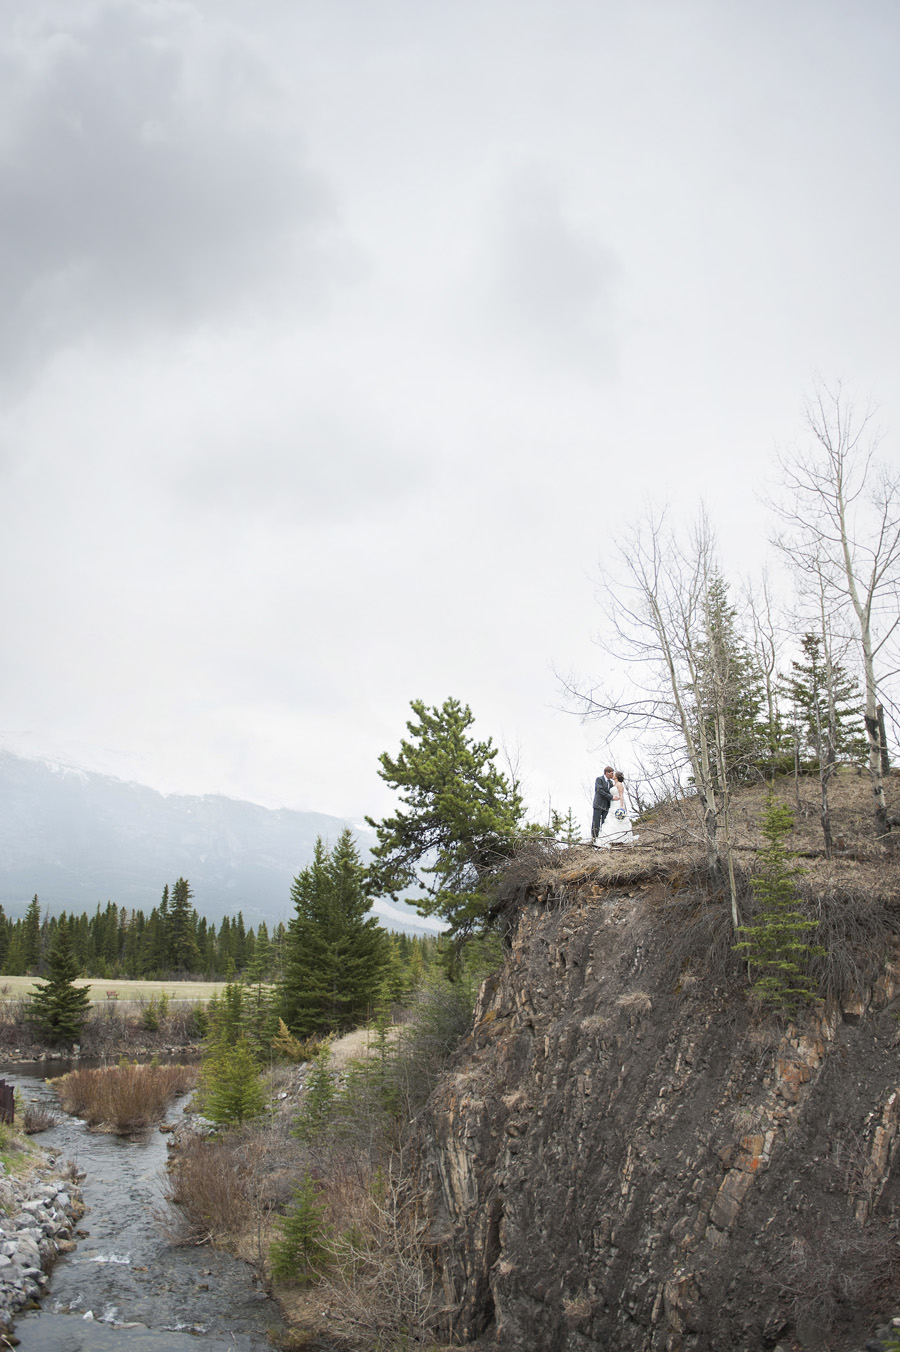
[[603, 795]]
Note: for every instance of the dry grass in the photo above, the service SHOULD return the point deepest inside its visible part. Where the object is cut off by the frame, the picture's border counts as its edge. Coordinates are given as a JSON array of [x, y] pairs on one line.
[[123, 1098], [672, 846], [137, 993]]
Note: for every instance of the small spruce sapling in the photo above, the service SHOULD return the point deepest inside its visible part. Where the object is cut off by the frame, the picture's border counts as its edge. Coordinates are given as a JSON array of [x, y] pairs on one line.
[[303, 1249], [231, 1089], [319, 1099], [777, 946]]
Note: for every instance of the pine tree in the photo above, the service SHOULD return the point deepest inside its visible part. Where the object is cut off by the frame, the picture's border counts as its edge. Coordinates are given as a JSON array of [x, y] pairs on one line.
[[260, 1021], [31, 936], [827, 705], [303, 1248], [231, 1089], [184, 956], [259, 965], [58, 1007], [239, 940], [729, 689], [319, 1099], [335, 958], [564, 828], [460, 814], [15, 963], [776, 946], [825, 699]]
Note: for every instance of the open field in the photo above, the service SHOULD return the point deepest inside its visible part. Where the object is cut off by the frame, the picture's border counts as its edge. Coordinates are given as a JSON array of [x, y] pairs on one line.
[[16, 987]]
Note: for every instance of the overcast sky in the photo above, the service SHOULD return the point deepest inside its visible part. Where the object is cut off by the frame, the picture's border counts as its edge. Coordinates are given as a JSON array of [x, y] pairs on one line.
[[338, 338]]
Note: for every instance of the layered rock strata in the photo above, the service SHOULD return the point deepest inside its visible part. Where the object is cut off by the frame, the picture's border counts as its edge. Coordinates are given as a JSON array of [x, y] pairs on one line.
[[626, 1156]]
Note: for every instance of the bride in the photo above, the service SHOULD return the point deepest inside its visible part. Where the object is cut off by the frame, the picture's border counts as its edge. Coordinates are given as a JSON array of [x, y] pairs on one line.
[[617, 828]]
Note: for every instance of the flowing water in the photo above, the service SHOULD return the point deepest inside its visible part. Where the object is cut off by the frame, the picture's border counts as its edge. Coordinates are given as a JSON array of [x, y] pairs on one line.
[[125, 1288]]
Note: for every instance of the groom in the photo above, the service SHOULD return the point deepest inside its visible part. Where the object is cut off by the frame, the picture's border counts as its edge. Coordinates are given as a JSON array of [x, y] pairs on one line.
[[603, 795]]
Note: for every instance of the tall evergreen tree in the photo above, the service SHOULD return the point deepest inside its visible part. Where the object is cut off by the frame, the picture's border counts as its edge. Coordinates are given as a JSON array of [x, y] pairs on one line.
[[826, 702], [58, 1007], [184, 955], [335, 958], [31, 936], [827, 705], [729, 689]]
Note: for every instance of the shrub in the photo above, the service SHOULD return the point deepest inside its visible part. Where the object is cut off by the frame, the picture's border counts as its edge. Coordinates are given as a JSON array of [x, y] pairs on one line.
[[294, 1049], [124, 1097], [226, 1188], [383, 1280], [38, 1117], [211, 1186]]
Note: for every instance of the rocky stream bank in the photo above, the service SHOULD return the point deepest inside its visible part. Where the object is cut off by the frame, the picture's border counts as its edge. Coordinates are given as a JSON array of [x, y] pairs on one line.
[[39, 1212]]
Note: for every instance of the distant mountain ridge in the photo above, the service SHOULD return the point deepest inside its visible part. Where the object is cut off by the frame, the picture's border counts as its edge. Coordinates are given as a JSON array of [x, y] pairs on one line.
[[77, 838]]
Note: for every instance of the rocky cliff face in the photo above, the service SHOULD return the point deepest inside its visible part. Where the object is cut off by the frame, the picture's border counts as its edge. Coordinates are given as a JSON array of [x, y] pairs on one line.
[[626, 1155]]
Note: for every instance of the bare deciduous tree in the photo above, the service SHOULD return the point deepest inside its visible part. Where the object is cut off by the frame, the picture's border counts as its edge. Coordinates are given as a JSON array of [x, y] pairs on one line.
[[680, 674], [842, 529], [765, 644]]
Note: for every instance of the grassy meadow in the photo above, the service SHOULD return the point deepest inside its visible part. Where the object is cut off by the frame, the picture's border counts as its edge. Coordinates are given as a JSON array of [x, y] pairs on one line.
[[137, 992]]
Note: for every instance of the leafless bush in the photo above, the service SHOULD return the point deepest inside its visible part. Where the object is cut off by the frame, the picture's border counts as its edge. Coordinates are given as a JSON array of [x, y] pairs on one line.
[[834, 1269], [384, 1283], [856, 930], [103, 1030], [38, 1117], [699, 934], [227, 1188], [212, 1186], [180, 1022], [14, 1031], [125, 1097]]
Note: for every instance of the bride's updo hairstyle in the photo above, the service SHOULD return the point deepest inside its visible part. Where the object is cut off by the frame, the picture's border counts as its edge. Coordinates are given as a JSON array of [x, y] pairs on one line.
[[620, 777]]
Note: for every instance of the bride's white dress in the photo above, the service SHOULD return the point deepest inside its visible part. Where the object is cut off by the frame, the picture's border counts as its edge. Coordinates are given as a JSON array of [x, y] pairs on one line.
[[617, 830]]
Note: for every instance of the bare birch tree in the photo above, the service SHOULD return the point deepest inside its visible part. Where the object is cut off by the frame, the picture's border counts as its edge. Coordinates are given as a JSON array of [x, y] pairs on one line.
[[842, 529], [765, 645], [680, 674]]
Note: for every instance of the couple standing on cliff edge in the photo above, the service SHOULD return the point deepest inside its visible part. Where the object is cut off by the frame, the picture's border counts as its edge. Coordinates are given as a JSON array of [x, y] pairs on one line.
[[609, 789]]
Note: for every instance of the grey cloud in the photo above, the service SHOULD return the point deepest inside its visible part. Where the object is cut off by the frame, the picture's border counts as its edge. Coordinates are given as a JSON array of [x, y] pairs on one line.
[[551, 281], [149, 175], [326, 469]]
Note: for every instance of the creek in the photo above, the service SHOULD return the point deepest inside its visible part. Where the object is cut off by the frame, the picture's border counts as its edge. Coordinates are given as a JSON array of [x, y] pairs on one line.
[[125, 1288]]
